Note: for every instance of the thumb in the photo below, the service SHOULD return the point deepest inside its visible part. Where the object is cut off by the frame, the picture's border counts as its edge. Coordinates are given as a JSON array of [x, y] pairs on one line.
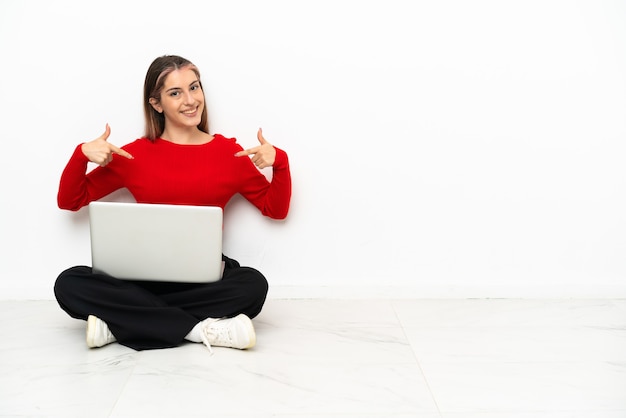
[[107, 132], [260, 137]]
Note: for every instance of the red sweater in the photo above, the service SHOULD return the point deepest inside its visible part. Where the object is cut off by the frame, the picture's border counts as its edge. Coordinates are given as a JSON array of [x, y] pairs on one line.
[[164, 172]]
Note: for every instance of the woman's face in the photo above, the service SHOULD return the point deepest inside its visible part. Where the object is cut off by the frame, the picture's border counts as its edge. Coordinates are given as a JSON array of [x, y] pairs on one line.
[[182, 99]]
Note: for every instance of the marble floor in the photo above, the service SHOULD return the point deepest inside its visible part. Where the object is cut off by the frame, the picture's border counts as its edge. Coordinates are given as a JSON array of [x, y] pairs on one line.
[[453, 358]]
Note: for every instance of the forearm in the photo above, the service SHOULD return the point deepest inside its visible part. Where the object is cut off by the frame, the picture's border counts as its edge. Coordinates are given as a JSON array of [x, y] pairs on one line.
[[72, 186], [77, 187], [278, 195]]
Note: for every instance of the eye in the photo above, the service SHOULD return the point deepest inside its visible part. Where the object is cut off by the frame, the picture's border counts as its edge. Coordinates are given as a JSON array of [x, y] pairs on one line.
[[174, 93], [195, 87]]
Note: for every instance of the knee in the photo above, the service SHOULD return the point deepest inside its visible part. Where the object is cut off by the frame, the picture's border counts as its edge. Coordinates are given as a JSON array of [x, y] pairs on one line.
[[257, 282], [66, 281], [257, 286]]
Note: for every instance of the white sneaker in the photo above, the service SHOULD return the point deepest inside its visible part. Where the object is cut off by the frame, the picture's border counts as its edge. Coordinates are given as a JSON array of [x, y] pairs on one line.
[[236, 332], [98, 333]]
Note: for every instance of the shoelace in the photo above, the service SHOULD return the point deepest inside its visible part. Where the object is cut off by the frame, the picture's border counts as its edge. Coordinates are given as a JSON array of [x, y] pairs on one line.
[[218, 334], [206, 342]]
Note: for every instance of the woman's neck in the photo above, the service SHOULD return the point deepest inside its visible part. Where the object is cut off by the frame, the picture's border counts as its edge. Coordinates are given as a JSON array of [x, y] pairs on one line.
[[186, 136]]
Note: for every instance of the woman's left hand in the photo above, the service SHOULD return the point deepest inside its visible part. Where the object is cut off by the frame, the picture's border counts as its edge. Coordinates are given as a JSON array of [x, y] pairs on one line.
[[262, 156]]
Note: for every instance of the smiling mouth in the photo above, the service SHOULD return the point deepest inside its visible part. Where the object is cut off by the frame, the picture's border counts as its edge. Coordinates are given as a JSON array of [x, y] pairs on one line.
[[190, 112]]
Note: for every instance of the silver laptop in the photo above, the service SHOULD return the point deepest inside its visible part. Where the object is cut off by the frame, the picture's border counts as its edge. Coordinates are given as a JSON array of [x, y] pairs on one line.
[[173, 243]]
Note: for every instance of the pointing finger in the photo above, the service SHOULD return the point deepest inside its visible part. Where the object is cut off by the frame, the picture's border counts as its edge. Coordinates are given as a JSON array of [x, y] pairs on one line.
[[248, 151], [121, 152]]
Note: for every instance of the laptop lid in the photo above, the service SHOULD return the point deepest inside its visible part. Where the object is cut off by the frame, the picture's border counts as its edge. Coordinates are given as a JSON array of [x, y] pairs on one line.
[[174, 243]]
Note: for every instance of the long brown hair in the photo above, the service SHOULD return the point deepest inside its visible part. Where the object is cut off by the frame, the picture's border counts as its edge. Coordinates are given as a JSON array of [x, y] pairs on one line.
[[152, 87]]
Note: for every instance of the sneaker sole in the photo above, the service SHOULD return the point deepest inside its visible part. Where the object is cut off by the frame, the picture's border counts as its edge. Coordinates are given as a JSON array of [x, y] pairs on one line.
[[251, 331], [92, 326]]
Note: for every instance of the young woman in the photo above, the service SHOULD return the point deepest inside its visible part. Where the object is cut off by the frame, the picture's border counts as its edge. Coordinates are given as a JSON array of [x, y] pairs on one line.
[[177, 162]]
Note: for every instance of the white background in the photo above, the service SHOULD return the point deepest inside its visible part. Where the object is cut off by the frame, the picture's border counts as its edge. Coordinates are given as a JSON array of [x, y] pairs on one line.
[[438, 148]]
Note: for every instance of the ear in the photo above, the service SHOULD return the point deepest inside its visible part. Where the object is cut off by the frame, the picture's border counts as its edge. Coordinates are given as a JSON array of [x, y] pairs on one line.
[[155, 105]]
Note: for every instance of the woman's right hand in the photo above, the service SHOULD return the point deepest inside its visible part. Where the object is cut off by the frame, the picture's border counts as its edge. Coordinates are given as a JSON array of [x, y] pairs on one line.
[[99, 151]]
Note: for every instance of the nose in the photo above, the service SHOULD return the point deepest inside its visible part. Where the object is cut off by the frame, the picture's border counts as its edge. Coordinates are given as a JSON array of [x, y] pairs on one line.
[[188, 97]]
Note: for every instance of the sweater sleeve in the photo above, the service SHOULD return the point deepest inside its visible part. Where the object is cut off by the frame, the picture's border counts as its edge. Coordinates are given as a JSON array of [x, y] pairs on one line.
[[77, 187], [271, 198]]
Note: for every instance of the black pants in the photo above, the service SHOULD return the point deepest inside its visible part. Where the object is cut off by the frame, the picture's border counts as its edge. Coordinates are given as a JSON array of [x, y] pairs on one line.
[[146, 315]]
